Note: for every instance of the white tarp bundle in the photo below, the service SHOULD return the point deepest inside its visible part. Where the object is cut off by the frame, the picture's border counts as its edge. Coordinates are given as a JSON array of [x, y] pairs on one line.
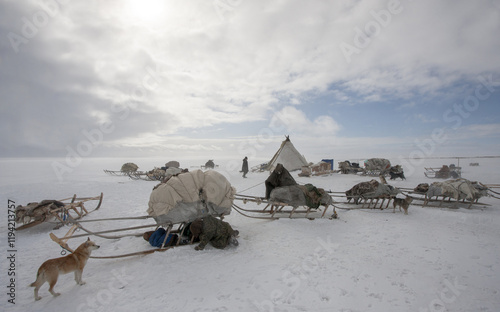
[[288, 156], [191, 195], [458, 189]]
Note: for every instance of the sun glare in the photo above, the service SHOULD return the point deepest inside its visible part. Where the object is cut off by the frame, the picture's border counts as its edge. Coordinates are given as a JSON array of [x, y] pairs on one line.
[[145, 10]]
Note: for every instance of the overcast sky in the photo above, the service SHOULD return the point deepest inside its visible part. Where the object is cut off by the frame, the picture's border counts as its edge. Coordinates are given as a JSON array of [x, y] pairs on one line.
[[226, 78]]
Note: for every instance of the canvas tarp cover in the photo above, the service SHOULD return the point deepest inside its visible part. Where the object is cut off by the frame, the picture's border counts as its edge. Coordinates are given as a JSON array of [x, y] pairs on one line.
[[129, 167], [377, 164], [172, 171], [288, 156], [191, 195], [301, 195], [173, 163], [458, 189]]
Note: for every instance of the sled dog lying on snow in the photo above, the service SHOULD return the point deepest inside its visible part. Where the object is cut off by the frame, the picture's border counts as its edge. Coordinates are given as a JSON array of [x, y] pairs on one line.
[[75, 262], [402, 203]]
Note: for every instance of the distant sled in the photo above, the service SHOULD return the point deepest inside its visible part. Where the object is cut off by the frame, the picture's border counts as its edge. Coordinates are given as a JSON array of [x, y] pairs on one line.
[[126, 169], [445, 172]]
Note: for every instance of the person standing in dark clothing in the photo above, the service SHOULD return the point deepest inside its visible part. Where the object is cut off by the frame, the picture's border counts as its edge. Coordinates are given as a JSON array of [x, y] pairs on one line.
[[244, 168]]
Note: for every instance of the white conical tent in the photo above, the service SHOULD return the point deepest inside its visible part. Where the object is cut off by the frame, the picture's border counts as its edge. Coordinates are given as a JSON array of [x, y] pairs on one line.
[[288, 156]]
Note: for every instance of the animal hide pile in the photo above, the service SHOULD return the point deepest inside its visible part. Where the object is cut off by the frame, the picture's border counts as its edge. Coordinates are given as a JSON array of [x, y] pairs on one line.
[[377, 164], [301, 195]]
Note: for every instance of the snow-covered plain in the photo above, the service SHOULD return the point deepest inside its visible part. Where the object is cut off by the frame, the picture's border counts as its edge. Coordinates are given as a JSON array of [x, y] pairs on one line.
[[434, 259]]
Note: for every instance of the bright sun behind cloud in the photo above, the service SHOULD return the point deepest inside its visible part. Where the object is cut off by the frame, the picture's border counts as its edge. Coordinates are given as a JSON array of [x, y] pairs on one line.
[[146, 11]]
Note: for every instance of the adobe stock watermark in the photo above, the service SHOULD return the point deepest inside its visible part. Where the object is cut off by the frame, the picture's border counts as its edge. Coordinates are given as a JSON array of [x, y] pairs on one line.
[[453, 118], [105, 296], [363, 36], [95, 137], [294, 276], [449, 294], [31, 26]]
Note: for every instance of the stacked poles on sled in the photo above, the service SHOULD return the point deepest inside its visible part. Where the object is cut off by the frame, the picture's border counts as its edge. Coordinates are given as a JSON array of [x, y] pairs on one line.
[[276, 210], [103, 234]]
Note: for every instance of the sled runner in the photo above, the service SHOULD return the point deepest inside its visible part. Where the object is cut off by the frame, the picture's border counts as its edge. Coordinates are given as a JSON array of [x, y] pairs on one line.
[[116, 172], [59, 210], [146, 176], [172, 205], [273, 210]]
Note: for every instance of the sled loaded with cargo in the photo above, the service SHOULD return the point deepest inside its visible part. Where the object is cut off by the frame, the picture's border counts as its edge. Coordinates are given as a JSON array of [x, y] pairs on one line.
[[58, 211], [445, 172], [457, 193], [366, 195], [285, 198], [173, 205]]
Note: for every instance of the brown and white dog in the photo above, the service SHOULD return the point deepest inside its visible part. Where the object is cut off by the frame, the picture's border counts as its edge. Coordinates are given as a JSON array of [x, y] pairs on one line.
[[49, 271], [402, 203]]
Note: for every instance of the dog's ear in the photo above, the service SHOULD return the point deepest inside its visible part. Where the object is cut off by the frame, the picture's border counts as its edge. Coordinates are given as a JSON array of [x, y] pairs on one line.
[[88, 239]]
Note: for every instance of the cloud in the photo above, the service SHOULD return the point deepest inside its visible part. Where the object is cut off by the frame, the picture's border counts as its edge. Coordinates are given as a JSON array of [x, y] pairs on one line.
[[425, 119], [476, 131], [295, 121], [194, 66]]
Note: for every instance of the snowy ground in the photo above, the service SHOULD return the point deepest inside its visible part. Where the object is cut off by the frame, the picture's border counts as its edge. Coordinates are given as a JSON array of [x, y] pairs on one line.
[[367, 260]]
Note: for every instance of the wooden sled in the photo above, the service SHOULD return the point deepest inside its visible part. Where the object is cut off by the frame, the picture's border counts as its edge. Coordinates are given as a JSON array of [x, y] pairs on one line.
[[434, 173], [144, 176], [116, 172], [123, 173], [277, 210], [74, 210], [441, 201], [361, 202], [152, 175], [104, 234]]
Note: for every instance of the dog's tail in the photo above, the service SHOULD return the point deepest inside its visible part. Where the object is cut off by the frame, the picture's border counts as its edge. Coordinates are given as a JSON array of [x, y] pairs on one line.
[[37, 276]]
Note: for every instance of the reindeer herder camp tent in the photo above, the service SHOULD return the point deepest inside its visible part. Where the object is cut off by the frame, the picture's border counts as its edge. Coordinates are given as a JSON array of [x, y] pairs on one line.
[[288, 156]]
